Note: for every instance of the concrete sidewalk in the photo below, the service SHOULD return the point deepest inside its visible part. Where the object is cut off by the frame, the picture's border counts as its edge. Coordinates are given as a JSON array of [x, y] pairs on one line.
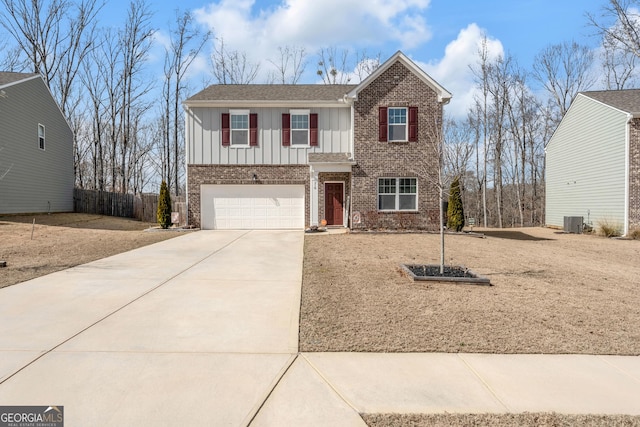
[[202, 330]]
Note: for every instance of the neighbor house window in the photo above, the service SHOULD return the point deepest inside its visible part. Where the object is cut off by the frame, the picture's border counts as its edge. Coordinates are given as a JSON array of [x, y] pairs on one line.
[[239, 128], [299, 127], [41, 136], [397, 194], [397, 124]]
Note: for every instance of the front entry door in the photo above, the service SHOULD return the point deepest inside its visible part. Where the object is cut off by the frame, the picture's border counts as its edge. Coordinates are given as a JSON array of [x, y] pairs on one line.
[[333, 202]]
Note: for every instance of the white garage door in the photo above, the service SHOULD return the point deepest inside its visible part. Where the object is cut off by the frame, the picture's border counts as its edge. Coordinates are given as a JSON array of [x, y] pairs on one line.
[[237, 207]]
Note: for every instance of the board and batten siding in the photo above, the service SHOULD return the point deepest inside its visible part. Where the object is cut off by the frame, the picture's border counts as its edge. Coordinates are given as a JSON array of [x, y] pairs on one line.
[[36, 180], [585, 165], [205, 142]]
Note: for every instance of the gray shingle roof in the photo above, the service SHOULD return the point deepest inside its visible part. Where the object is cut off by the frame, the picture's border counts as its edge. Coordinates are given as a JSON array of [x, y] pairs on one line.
[[627, 100], [8, 77], [272, 93]]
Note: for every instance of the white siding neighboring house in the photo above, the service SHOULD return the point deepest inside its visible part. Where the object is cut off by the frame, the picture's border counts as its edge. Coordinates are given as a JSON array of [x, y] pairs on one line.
[[36, 148], [593, 161]]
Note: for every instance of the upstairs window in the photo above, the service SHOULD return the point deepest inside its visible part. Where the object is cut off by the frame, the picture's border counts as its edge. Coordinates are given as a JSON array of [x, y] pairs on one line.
[[239, 129], [41, 136], [398, 124], [299, 128], [397, 194]]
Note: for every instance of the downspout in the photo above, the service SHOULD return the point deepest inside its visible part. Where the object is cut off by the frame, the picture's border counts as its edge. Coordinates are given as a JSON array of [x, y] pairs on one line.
[[186, 163], [352, 158]]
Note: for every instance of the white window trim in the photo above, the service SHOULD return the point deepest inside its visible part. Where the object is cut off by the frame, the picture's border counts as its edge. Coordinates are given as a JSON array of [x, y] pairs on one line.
[[406, 124], [239, 113], [44, 137], [397, 194], [300, 113]]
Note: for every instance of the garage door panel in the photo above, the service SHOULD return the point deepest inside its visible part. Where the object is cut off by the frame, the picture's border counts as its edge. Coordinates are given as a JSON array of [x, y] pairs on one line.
[[252, 207]]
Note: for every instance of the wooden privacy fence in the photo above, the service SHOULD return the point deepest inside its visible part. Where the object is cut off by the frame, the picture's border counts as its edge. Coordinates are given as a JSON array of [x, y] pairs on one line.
[[142, 207]]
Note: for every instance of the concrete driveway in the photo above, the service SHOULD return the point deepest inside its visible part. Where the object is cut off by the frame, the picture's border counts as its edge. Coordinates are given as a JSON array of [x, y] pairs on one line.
[[202, 330], [196, 330]]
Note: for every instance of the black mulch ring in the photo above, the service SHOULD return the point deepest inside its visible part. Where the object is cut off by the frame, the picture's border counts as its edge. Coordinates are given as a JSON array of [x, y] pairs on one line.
[[452, 273], [434, 270]]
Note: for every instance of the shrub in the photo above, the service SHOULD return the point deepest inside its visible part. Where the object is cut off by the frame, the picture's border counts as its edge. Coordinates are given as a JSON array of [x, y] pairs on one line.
[[609, 228], [455, 211], [164, 206]]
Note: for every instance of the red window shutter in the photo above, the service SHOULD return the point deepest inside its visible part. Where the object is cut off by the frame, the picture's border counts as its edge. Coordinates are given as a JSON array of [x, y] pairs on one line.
[[413, 124], [226, 131], [382, 124], [286, 130], [253, 130], [313, 130]]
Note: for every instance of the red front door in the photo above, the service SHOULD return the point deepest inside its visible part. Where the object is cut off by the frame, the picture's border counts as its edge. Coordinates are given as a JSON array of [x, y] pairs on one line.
[[333, 202]]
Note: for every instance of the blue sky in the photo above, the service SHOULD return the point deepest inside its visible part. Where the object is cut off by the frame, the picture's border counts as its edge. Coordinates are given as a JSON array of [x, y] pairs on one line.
[[440, 35]]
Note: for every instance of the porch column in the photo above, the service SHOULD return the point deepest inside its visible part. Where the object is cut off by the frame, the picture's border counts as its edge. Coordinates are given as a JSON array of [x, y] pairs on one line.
[[314, 197]]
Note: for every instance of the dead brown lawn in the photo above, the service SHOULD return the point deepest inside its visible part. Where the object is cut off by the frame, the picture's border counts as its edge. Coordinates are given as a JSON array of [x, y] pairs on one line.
[[65, 240], [552, 293]]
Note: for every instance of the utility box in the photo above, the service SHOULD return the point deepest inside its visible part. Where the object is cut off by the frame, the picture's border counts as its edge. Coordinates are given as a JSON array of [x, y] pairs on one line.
[[573, 224]]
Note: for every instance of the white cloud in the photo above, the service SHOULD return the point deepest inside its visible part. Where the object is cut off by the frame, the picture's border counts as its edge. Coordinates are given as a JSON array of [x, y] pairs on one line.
[[316, 24], [453, 70]]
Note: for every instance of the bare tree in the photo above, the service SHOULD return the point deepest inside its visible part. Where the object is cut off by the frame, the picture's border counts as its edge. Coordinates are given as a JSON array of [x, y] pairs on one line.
[[135, 41], [333, 65], [619, 65], [619, 22], [55, 37], [186, 43], [232, 67], [366, 64], [289, 66], [564, 70]]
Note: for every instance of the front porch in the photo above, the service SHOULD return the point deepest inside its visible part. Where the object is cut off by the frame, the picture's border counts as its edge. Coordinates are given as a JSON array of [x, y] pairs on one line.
[[330, 189]]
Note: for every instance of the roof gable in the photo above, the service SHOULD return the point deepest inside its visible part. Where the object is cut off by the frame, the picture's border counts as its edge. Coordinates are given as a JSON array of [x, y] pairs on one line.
[[443, 95]]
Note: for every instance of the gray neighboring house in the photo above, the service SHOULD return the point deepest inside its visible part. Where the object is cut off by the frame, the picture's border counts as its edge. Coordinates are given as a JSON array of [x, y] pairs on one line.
[[593, 161], [36, 148]]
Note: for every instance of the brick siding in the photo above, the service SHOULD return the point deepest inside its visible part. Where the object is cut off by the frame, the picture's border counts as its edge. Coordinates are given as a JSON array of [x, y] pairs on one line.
[[634, 174], [396, 87], [240, 174]]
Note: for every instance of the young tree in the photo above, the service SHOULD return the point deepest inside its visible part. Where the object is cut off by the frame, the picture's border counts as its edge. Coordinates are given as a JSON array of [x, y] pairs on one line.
[[455, 211], [164, 206]]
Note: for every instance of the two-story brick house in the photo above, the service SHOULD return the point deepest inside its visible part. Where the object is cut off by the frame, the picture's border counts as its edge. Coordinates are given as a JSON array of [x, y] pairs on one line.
[[290, 156]]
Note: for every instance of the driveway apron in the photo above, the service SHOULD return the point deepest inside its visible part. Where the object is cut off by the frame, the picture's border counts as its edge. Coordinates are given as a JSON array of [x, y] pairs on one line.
[[196, 330]]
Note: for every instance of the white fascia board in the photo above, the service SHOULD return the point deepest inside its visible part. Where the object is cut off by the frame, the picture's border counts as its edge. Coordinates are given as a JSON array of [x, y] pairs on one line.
[[444, 96]]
